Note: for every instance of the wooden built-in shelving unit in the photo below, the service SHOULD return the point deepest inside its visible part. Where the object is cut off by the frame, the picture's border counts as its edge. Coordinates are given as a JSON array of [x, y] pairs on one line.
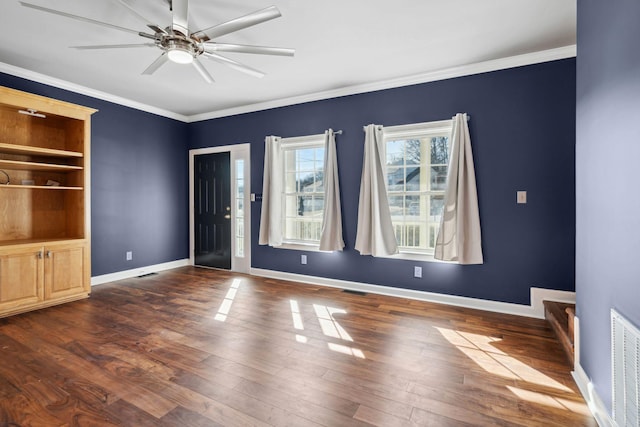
[[44, 224]]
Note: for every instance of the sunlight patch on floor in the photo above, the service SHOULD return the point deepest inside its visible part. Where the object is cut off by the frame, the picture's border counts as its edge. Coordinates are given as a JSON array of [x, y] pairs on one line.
[[330, 327], [225, 307], [480, 349], [297, 320], [547, 400]]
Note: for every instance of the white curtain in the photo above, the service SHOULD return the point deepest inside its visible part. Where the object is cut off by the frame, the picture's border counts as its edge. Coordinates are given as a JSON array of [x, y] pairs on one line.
[[459, 237], [271, 215], [331, 235], [375, 235]]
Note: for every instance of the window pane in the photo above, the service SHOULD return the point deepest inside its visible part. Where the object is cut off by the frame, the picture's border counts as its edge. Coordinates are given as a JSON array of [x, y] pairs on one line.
[[395, 179], [306, 181], [240, 247], [413, 179], [305, 159], [396, 206], [395, 152], [438, 178], [414, 149], [440, 150], [316, 206], [319, 158], [412, 206], [436, 208]]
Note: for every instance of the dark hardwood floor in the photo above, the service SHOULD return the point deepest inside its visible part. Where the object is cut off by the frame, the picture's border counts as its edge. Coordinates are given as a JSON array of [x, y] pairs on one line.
[[196, 347]]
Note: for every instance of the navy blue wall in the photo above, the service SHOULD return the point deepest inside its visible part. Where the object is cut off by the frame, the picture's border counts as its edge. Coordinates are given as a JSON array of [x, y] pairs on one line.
[[523, 137], [607, 154], [139, 188]]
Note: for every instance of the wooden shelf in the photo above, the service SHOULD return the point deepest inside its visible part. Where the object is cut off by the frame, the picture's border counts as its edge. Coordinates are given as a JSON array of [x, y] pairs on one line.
[[19, 242], [37, 151], [39, 187], [35, 166]]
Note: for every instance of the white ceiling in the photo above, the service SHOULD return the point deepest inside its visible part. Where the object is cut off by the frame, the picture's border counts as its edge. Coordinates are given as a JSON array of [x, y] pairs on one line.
[[339, 44]]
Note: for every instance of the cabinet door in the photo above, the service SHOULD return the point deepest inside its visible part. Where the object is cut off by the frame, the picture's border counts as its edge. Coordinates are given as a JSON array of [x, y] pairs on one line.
[[21, 277], [64, 270]]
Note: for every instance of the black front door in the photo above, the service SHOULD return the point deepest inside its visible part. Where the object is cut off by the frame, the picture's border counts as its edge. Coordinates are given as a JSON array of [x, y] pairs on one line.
[[212, 210]]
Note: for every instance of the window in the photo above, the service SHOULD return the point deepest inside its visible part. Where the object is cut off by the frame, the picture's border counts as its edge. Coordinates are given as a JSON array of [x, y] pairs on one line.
[[239, 201], [416, 165], [303, 189]]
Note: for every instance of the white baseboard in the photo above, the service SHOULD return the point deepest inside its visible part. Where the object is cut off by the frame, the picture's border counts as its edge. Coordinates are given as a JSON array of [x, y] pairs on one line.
[[536, 309], [128, 274], [596, 406]]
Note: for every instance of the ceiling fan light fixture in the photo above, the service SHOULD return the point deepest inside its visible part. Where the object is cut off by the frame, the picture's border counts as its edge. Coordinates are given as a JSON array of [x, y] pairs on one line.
[[180, 55]]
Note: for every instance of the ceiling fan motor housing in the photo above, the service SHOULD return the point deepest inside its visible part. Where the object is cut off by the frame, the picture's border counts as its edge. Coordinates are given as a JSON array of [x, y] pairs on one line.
[[179, 48]]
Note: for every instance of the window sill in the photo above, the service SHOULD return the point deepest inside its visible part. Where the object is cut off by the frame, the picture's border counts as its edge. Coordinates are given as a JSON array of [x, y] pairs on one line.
[[308, 247], [417, 257]]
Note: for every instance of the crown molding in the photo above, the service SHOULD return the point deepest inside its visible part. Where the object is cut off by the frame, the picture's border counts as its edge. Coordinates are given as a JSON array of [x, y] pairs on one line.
[[83, 90], [448, 73]]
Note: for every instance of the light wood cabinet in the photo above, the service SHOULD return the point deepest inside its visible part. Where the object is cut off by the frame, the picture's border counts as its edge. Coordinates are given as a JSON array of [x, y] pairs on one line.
[[44, 210], [65, 270], [21, 278]]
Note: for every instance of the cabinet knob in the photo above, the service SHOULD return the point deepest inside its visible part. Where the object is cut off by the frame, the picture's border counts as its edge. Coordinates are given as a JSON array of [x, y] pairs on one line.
[[39, 255], [48, 254]]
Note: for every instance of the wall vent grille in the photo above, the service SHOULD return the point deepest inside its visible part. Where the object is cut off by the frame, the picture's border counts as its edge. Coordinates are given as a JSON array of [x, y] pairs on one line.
[[625, 356]]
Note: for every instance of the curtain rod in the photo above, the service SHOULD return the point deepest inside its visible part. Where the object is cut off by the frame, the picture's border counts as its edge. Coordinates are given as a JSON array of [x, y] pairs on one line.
[[335, 132], [365, 128]]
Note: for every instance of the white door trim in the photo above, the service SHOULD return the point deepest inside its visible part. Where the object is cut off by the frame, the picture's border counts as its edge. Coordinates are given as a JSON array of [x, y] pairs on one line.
[[237, 151]]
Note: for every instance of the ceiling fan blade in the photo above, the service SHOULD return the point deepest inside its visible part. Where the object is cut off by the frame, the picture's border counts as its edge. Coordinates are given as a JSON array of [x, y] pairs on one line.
[[203, 71], [240, 23], [114, 46], [156, 64], [157, 29], [234, 64], [134, 12], [79, 18], [180, 10], [241, 48]]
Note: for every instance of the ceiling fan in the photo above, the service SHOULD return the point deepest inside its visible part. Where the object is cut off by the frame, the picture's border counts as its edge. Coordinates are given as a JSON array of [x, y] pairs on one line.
[[182, 46]]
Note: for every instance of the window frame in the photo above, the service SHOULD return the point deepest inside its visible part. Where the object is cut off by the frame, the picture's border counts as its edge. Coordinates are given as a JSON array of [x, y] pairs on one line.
[[415, 131], [290, 144]]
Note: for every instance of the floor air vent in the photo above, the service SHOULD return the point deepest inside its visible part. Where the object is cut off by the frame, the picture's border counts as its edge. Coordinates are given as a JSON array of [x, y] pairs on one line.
[[142, 276], [626, 371], [351, 291]]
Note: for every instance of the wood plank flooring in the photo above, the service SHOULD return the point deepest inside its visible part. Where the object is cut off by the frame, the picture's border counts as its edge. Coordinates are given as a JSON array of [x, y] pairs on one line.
[[197, 347]]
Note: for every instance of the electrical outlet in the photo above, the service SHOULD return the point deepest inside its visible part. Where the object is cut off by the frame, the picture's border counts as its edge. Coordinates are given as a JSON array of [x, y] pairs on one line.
[[521, 197], [303, 259], [129, 255], [417, 272]]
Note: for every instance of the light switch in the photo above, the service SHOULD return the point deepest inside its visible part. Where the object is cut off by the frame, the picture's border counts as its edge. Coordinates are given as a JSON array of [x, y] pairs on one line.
[[521, 197]]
